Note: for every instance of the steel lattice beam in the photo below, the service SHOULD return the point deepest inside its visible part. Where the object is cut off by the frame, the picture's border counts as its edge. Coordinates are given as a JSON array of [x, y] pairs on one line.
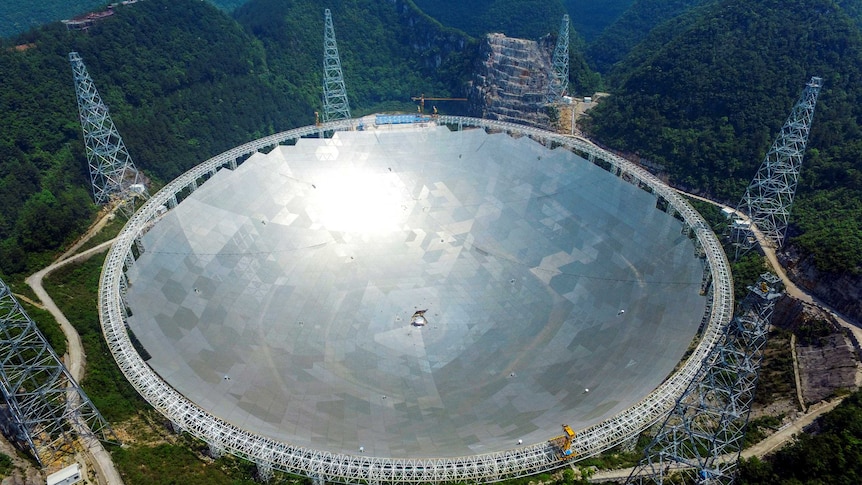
[[559, 79], [112, 173], [769, 197], [46, 408], [701, 438], [345, 468], [335, 104]]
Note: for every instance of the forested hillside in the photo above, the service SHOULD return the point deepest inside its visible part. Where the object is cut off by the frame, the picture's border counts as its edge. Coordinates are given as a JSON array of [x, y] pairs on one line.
[[590, 18], [853, 9], [17, 16], [183, 82], [526, 19], [708, 103], [631, 28], [389, 51], [833, 454]]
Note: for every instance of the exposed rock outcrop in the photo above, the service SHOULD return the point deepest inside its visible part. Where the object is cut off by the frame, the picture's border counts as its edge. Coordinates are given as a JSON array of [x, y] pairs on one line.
[[825, 367], [432, 43], [826, 356], [843, 292], [511, 80]]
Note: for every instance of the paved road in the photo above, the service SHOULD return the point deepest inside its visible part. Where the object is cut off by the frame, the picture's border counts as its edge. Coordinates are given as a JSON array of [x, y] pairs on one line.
[[76, 359]]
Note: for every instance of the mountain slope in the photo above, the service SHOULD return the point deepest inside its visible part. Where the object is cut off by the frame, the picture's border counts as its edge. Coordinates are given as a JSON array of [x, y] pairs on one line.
[[853, 9], [590, 18], [526, 19], [17, 16], [183, 82], [631, 28], [389, 51], [21, 15], [708, 104]]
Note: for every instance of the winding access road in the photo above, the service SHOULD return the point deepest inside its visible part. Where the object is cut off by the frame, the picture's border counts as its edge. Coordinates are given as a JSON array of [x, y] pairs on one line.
[[786, 434], [791, 288], [106, 472]]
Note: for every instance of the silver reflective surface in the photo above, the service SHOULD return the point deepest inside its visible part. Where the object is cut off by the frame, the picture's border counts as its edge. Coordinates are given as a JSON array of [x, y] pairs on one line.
[[280, 296]]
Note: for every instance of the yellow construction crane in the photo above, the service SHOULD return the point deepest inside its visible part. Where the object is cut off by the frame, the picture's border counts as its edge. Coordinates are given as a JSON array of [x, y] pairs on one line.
[[564, 443], [421, 98]]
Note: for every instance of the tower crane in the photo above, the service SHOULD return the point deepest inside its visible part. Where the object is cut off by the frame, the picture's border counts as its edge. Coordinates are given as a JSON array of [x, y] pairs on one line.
[[421, 98]]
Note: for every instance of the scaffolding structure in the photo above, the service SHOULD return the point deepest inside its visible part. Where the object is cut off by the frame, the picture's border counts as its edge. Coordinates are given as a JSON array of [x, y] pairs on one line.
[[335, 104], [768, 199], [112, 172], [559, 79], [46, 410], [700, 440]]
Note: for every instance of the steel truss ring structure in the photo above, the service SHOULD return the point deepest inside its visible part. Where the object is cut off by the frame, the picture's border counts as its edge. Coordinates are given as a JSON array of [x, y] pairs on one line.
[[271, 454]]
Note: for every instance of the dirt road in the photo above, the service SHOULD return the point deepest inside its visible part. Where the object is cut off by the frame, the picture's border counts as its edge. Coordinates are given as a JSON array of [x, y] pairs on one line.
[[772, 443], [781, 437], [75, 359], [789, 285]]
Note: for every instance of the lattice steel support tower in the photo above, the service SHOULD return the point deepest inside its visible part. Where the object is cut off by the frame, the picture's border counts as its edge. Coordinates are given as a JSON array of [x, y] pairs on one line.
[[768, 199], [46, 409], [112, 172], [335, 105], [700, 440], [558, 82]]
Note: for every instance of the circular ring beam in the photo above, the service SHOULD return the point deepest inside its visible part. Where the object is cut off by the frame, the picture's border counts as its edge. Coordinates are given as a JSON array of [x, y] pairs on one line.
[[271, 454]]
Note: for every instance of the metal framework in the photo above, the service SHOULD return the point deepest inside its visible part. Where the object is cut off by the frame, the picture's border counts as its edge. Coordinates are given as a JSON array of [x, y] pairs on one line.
[[270, 454], [335, 105], [45, 410], [112, 172], [701, 438], [558, 82], [768, 199]]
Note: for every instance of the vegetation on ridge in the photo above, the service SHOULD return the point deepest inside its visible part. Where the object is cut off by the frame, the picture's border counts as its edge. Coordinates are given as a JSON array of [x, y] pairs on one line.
[[389, 51], [17, 16], [631, 28], [708, 104], [833, 454]]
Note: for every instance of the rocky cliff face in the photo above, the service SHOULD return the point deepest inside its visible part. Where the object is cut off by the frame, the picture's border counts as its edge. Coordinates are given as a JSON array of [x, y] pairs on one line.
[[826, 357], [437, 47], [511, 79], [842, 292]]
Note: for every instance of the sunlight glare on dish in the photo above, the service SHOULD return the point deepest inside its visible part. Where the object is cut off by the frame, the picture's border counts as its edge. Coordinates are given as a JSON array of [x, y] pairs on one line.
[[362, 202]]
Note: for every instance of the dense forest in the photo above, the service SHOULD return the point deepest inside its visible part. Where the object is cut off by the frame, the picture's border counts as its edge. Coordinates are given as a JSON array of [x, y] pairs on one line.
[[381, 73], [526, 19], [708, 100], [632, 27], [17, 16], [590, 18]]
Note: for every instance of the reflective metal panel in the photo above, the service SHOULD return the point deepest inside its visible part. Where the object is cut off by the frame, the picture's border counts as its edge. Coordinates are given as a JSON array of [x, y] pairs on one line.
[[280, 296]]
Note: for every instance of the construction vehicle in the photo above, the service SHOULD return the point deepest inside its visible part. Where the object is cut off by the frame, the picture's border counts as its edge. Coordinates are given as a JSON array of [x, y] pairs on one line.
[[421, 98], [564, 443]]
